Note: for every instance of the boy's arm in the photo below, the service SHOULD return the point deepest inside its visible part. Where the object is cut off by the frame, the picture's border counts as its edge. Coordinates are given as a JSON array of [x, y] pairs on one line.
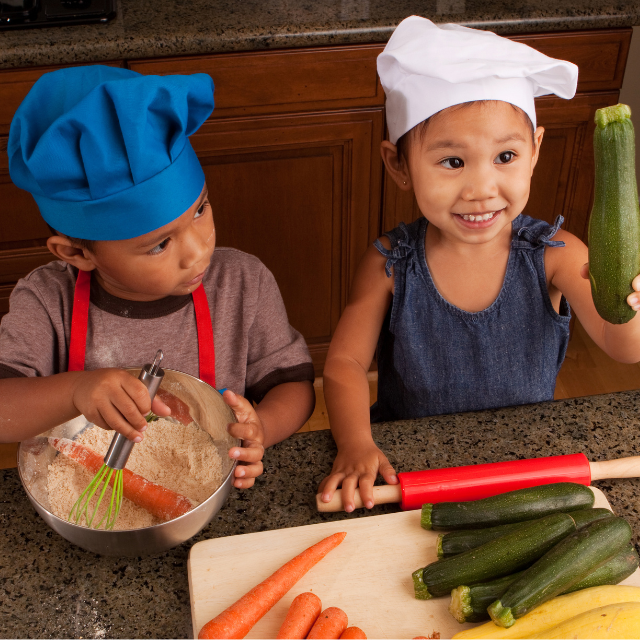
[[566, 268], [346, 386], [110, 398], [30, 406], [284, 409]]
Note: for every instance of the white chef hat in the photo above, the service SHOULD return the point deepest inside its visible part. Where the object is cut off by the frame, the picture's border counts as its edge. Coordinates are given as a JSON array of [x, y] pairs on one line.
[[426, 68]]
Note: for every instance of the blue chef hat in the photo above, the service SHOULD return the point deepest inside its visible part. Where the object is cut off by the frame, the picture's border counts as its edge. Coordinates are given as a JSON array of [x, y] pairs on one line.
[[105, 151]]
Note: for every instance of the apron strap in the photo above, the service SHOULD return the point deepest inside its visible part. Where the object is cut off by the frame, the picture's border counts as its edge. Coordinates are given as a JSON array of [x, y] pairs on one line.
[[79, 322], [206, 350]]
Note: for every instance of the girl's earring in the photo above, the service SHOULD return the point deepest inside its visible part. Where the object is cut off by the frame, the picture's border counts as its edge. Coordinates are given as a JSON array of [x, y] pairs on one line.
[[404, 182]]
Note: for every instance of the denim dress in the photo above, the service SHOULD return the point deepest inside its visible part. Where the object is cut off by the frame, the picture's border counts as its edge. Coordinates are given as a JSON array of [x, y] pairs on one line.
[[435, 358]]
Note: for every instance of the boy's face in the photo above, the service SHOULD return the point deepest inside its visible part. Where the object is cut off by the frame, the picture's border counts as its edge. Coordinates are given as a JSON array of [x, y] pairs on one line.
[[168, 261], [471, 171]]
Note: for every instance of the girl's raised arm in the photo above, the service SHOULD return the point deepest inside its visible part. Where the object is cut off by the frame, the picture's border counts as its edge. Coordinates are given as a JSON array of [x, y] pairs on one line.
[[567, 273]]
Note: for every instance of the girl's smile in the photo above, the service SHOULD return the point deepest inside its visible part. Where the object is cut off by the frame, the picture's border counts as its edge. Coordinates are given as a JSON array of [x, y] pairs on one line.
[[480, 220]]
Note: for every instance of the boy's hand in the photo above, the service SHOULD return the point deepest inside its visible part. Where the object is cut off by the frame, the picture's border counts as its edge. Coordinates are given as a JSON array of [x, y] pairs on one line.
[[353, 470], [249, 430], [633, 299], [114, 399]]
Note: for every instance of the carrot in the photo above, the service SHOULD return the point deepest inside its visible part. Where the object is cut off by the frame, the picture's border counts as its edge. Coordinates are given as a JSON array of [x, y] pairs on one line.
[[302, 613], [179, 409], [330, 624], [355, 633], [157, 500], [237, 620]]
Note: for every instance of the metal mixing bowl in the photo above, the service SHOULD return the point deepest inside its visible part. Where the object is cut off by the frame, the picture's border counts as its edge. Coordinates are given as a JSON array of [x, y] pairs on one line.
[[210, 412]]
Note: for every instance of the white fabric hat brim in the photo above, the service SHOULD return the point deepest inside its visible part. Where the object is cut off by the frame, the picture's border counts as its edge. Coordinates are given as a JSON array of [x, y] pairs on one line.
[[426, 68], [415, 99]]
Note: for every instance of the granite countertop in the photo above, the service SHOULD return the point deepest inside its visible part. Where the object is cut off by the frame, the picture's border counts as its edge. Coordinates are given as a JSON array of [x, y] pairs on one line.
[[162, 28], [50, 588]]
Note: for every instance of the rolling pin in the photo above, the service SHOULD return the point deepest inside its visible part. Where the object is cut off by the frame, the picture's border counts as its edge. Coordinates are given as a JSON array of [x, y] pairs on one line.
[[477, 481]]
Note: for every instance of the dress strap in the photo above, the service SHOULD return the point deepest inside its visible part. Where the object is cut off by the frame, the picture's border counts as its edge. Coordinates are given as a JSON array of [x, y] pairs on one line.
[[533, 234], [400, 247]]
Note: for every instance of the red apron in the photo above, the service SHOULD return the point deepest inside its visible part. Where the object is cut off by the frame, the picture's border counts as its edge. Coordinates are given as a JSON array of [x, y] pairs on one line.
[[80, 321]]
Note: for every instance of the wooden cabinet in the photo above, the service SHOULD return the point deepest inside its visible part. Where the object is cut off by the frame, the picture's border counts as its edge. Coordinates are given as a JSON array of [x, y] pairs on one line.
[[291, 155], [300, 193]]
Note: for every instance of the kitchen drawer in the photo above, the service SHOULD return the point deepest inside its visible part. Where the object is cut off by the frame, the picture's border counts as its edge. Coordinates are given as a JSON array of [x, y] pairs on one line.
[[14, 86], [600, 55], [295, 80], [317, 79]]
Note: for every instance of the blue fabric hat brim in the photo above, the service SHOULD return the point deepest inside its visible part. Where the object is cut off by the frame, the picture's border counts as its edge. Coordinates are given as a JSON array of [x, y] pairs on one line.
[[105, 151], [143, 208]]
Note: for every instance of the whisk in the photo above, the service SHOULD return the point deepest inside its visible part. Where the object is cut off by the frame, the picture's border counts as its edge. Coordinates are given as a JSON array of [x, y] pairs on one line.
[[115, 460]]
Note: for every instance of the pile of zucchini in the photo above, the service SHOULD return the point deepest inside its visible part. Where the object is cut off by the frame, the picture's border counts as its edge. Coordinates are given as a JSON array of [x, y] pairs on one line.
[[505, 555]]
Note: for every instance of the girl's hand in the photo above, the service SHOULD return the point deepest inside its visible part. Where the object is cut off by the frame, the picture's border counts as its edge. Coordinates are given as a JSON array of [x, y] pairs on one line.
[[249, 430], [633, 299], [114, 399], [357, 470]]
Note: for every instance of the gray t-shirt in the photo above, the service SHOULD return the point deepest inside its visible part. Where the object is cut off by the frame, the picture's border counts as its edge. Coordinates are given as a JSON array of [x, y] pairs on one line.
[[255, 346]]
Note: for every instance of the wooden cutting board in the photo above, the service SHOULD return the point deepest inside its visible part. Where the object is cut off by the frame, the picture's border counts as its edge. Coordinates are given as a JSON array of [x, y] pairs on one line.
[[368, 575]]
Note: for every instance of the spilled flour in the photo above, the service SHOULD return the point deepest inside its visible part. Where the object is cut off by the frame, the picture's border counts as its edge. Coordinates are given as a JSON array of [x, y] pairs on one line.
[[178, 457]]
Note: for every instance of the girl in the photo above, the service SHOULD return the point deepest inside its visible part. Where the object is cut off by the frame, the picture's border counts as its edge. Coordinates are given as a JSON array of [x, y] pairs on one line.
[[469, 305]]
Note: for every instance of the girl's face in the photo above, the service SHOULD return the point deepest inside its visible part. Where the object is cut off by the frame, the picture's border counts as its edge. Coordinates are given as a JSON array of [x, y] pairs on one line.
[[471, 171]]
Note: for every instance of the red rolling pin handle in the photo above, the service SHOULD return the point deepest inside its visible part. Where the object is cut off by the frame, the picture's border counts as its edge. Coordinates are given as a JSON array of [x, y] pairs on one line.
[[484, 480]]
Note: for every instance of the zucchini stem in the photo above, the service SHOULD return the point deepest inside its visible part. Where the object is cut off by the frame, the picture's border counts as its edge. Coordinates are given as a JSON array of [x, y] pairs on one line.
[[501, 615], [425, 516], [419, 587], [616, 113], [460, 607]]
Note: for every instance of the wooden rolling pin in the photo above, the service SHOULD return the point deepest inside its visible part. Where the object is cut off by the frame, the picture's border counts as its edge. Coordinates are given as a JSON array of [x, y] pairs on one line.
[[483, 480]]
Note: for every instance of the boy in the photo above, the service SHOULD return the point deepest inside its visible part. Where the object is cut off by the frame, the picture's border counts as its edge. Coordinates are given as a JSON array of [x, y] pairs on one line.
[[106, 155]]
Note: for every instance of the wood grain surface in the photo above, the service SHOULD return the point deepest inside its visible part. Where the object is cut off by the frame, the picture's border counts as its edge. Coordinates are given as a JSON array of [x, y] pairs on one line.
[[368, 575]]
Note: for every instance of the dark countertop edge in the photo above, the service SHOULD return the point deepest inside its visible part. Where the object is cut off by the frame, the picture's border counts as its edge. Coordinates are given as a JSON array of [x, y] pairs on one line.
[[186, 44]]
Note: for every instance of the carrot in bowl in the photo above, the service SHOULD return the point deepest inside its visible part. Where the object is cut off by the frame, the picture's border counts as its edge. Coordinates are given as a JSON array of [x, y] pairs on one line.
[[238, 619], [303, 612], [157, 500], [330, 624], [179, 408]]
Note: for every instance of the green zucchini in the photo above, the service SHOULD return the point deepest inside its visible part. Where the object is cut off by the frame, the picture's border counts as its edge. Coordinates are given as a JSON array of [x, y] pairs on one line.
[[614, 224], [494, 559], [506, 508], [469, 604], [568, 562], [612, 572], [583, 517], [454, 542]]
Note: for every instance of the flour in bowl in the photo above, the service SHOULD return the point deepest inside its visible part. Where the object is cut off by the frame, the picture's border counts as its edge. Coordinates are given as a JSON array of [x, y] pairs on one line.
[[178, 457]]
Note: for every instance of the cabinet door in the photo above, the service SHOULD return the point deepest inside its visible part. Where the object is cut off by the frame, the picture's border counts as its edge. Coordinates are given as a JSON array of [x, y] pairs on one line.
[[300, 193]]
